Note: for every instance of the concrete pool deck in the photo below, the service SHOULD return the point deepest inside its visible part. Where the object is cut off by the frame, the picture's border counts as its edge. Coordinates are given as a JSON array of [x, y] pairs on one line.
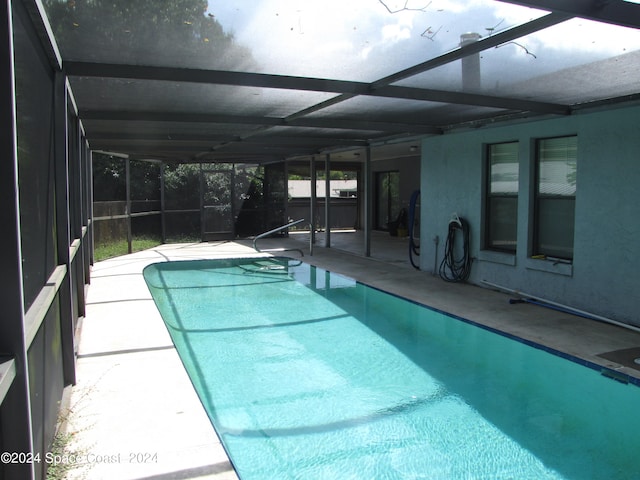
[[134, 414]]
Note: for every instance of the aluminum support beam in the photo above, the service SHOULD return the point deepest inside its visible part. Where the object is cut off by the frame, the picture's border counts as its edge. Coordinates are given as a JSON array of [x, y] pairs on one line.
[[89, 162], [343, 124], [476, 47], [127, 170], [313, 200], [63, 227], [146, 137], [36, 11], [15, 409], [327, 201], [623, 13], [213, 77], [368, 201], [163, 216], [346, 89]]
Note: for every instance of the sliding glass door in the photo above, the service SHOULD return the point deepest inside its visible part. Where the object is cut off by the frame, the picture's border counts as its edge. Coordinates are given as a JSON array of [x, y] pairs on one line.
[[387, 201]]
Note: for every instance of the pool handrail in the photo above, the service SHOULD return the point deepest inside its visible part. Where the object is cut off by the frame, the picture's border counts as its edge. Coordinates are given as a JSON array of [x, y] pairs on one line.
[[276, 230]]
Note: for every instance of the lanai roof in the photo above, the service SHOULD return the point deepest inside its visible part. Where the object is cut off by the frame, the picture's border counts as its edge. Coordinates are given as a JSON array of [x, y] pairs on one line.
[[262, 81]]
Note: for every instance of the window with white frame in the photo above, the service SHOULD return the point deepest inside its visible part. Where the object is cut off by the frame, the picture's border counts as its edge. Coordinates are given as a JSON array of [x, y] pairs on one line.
[[556, 167], [502, 197]]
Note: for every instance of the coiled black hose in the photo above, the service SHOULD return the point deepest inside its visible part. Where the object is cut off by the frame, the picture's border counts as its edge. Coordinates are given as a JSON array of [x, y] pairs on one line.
[[454, 269], [414, 247]]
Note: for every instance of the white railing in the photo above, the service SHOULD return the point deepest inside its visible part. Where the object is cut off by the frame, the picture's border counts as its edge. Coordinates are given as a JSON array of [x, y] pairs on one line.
[[276, 230]]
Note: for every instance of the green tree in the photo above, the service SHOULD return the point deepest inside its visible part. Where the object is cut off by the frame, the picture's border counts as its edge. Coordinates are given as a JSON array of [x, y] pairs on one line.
[[145, 180], [109, 178], [182, 186], [166, 32]]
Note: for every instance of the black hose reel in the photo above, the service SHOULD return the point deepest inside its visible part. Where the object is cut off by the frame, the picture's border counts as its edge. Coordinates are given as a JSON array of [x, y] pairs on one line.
[[456, 268]]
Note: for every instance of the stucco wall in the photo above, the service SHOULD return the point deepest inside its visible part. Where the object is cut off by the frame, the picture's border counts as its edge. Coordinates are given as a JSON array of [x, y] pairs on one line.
[[604, 278]]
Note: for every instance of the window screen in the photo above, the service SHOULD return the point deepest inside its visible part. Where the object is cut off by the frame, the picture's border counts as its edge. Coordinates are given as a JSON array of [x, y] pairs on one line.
[[36, 160]]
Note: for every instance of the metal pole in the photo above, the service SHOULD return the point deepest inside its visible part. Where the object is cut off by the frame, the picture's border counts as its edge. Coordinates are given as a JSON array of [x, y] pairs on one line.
[[127, 175], [313, 202], [327, 201], [163, 216], [232, 200], [63, 146], [90, 204], [561, 307], [368, 202], [15, 435], [202, 184]]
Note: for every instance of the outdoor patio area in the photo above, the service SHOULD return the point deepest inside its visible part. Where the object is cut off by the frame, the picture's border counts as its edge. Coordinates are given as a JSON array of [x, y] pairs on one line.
[[134, 414], [503, 134]]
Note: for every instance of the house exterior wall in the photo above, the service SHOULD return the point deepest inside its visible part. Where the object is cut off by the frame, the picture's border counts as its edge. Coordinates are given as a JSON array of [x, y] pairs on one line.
[[604, 277]]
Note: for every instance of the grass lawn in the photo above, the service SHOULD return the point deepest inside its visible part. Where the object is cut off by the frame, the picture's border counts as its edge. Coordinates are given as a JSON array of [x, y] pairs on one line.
[[120, 247]]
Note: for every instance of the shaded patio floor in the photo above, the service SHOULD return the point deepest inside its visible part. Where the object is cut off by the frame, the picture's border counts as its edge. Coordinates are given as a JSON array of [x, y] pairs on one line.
[[134, 414]]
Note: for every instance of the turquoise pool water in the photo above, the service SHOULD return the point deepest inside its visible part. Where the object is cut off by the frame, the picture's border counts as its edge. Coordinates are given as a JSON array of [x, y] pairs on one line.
[[306, 374]]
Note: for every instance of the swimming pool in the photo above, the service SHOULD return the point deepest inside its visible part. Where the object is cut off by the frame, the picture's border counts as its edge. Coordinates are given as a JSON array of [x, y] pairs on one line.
[[306, 374]]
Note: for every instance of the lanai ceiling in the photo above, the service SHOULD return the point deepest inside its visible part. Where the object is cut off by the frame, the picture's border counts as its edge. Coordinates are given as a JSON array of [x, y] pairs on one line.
[[262, 81]]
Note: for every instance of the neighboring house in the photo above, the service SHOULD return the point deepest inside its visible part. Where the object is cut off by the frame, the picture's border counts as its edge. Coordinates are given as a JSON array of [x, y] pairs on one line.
[[344, 202], [338, 189]]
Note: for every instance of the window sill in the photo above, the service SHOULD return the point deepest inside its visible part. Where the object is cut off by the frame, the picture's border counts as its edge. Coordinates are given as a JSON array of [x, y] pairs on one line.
[[550, 266], [497, 257]]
